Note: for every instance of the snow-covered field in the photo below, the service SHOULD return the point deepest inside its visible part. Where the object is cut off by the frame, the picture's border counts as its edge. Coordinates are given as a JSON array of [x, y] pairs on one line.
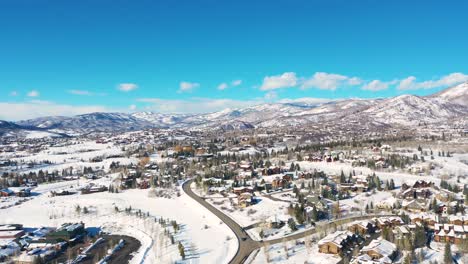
[[250, 215], [361, 200], [293, 252], [447, 166], [76, 155], [206, 238]]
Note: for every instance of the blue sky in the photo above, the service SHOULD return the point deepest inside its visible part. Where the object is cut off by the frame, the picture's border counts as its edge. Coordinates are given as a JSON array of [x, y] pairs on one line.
[[72, 57]]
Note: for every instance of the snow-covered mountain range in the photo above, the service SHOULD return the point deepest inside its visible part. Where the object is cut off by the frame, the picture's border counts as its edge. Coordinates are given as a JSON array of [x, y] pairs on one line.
[[403, 110]]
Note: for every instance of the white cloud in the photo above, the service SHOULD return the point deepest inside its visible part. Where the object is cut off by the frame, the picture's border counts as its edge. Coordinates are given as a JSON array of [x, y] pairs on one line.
[[132, 107], [236, 82], [354, 81], [222, 86], [376, 85], [410, 83], [329, 81], [41, 102], [195, 105], [187, 86], [80, 92], [33, 93], [13, 93], [39, 108], [320, 80], [287, 79], [127, 87], [271, 96], [407, 83]]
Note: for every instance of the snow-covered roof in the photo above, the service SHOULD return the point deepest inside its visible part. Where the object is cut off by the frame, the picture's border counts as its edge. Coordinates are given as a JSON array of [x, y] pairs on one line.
[[336, 238], [381, 246]]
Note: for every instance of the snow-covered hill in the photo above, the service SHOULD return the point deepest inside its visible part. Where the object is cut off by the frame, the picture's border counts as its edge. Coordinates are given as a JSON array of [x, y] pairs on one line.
[[457, 94], [160, 120], [12, 129], [408, 110], [404, 110], [94, 122]]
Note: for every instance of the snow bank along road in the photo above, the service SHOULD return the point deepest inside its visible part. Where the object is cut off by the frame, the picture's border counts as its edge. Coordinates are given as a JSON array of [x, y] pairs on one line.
[[246, 244]]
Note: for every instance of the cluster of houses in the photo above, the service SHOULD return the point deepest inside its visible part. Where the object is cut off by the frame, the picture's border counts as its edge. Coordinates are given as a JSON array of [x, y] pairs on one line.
[[16, 191], [455, 231], [359, 184], [29, 246], [142, 178], [345, 242], [418, 198]]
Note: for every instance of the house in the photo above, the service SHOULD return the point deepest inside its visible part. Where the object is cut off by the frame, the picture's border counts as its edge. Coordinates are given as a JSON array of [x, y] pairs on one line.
[[143, 184], [281, 182], [315, 200], [11, 227], [11, 234], [363, 227], [212, 181], [415, 193], [450, 233], [212, 190], [337, 242], [458, 219], [245, 199], [391, 221], [21, 191], [378, 251], [61, 193], [425, 219], [245, 166], [6, 192], [315, 158], [423, 184], [8, 249], [360, 183], [240, 190], [401, 232], [388, 203], [272, 170], [414, 206], [67, 232], [311, 213], [94, 189]]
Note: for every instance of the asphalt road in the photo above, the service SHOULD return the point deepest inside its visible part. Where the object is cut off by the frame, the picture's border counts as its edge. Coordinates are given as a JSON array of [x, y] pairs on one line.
[[246, 244]]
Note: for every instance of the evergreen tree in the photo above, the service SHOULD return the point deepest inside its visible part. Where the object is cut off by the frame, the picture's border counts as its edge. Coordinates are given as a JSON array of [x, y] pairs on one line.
[[407, 260], [342, 177], [292, 225], [434, 206], [182, 250], [419, 237], [448, 254], [314, 214]]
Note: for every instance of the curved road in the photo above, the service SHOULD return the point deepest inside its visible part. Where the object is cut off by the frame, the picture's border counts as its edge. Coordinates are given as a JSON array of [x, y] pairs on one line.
[[246, 244]]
